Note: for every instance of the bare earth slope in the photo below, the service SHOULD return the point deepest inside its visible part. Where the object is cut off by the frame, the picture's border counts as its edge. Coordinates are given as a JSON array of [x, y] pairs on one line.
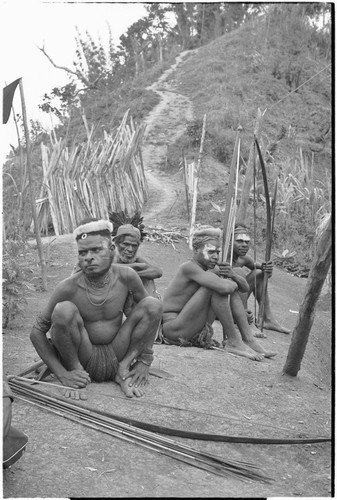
[[210, 391]]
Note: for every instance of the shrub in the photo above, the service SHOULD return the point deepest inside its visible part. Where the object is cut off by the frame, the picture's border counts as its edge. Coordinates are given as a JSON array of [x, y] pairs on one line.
[[13, 282]]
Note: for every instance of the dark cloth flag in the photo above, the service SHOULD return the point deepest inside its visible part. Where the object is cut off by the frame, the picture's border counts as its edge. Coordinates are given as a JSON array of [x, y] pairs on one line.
[[8, 94]]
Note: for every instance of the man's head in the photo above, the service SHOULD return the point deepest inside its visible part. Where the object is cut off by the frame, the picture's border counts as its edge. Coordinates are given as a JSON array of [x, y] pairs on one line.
[[241, 239], [95, 246], [127, 241], [206, 246]]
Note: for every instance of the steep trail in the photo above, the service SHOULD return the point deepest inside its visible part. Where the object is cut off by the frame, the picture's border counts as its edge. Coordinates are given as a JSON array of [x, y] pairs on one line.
[[165, 123]]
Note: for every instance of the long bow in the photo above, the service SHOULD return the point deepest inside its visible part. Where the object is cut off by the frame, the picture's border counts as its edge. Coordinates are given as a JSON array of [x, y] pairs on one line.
[[268, 237], [230, 210]]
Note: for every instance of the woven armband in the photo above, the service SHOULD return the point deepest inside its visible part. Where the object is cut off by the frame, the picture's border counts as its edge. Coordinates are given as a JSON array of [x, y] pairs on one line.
[[42, 324], [146, 357]]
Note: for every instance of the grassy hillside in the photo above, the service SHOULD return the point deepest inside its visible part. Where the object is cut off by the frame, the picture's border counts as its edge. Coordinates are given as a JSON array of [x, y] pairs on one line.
[[259, 67], [276, 63], [238, 73]]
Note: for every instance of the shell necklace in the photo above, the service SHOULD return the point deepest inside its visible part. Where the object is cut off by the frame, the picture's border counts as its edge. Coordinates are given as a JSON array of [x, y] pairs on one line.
[[98, 286]]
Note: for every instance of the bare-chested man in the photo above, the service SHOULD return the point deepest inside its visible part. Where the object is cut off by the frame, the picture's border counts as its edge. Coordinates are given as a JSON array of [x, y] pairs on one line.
[[198, 294], [127, 241], [85, 318], [257, 271]]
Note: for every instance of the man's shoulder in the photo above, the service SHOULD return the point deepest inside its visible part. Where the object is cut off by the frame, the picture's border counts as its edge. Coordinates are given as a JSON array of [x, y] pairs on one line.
[[72, 281], [190, 268], [122, 271], [243, 261], [140, 258], [188, 264]]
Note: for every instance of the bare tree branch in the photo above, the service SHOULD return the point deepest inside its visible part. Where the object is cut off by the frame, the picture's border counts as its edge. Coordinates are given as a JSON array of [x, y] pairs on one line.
[[78, 74]]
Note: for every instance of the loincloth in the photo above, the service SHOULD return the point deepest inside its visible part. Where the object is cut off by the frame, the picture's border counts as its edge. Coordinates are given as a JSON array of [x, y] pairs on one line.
[[103, 363], [201, 339]]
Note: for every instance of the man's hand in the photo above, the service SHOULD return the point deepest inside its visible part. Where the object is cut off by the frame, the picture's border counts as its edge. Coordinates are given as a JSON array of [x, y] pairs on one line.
[[250, 316], [226, 270], [267, 267], [75, 378], [139, 374], [140, 266]]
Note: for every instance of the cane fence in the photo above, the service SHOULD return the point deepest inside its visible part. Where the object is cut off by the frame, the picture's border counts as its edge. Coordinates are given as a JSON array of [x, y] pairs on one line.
[[91, 178]]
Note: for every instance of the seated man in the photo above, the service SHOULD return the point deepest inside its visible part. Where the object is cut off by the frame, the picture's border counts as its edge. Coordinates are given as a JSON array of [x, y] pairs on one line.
[[89, 339], [127, 241], [198, 294], [257, 270]]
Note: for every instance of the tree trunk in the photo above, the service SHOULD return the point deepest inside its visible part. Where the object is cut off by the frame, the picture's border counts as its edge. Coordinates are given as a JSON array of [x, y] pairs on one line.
[[183, 23], [317, 275]]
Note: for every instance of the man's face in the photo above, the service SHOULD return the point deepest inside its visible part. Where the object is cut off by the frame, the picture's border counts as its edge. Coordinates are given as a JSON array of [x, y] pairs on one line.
[[241, 244], [127, 248], [94, 254], [208, 255]]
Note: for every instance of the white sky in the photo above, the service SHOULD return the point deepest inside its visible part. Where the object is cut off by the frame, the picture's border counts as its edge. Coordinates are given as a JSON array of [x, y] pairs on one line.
[[28, 24]]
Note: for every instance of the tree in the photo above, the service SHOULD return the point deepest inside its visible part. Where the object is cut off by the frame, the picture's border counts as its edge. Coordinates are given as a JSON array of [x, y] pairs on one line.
[[317, 275], [185, 16]]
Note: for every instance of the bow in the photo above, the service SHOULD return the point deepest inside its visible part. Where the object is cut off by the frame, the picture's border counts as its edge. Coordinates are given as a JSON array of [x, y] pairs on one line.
[[230, 210], [268, 236]]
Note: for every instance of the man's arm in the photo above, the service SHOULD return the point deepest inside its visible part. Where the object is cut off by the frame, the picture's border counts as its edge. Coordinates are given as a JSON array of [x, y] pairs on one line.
[[135, 284], [265, 267], [145, 269], [226, 271], [209, 279], [38, 334]]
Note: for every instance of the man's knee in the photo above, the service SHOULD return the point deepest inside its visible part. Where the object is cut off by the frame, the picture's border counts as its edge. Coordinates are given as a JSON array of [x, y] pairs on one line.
[[65, 313], [152, 307]]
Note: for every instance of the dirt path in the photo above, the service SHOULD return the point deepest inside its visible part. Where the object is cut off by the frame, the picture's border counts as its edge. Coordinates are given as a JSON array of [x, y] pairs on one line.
[[210, 391], [164, 124]]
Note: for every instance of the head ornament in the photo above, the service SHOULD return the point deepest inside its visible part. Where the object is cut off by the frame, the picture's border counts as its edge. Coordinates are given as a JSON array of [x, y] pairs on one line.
[[129, 230], [95, 226]]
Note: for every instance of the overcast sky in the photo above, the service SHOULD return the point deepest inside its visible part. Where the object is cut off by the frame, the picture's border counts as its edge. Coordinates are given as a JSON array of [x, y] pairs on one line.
[[26, 25]]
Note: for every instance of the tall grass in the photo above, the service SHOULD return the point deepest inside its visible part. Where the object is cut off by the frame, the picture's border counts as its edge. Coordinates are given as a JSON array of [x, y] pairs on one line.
[[303, 200]]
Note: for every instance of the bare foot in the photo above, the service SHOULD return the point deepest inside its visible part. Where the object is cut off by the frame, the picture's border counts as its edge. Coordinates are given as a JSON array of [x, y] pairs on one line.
[[257, 333], [245, 352], [75, 394], [129, 390], [274, 325], [253, 344]]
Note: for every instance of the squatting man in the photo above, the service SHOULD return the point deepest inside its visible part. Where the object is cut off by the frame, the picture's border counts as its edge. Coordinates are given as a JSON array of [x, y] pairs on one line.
[[87, 338]]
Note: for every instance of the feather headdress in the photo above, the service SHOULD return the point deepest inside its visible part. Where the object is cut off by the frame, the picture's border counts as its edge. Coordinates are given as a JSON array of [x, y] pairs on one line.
[[121, 218]]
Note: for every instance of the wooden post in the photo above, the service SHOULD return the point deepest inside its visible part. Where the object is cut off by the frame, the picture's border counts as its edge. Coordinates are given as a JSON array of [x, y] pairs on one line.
[[242, 210], [32, 191], [316, 278], [229, 216], [196, 180], [185, 166]]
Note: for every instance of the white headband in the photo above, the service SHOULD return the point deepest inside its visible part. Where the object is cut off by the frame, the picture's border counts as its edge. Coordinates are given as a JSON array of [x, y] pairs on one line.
[[93, 227], [243, 237]]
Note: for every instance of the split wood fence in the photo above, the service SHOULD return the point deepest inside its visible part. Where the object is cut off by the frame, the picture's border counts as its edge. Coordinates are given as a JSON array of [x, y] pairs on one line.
[[91, 178]]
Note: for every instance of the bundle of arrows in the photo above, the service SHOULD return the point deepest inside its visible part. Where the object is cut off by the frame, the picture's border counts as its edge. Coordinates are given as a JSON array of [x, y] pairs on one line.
[[107, 424]]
